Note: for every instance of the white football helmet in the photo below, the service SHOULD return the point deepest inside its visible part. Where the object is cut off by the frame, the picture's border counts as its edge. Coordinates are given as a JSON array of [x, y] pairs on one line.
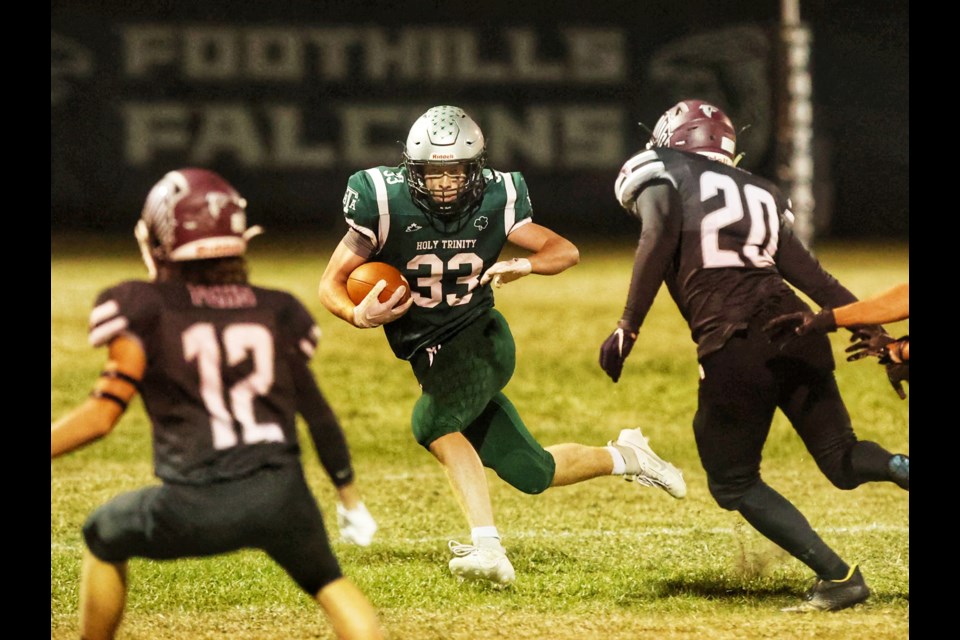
[[446, 136]]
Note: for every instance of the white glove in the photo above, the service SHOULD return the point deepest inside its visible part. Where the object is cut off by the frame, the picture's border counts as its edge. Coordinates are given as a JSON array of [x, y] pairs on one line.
[[373, 313], [507, 271], [357, 526]]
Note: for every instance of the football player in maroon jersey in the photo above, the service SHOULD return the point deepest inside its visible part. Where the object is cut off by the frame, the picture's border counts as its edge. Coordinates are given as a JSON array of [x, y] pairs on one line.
[[721, 239], [223, 369]]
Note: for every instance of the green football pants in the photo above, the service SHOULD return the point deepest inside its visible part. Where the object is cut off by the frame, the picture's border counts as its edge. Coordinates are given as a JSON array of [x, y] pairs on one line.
[[461, 380]]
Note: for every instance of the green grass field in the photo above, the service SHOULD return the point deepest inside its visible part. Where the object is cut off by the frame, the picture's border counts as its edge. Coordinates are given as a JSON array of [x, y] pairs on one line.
[[602, 559]]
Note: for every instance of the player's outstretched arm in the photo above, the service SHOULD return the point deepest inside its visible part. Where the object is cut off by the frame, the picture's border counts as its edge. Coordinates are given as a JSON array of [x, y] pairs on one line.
[[550, 254], [356, 524], [890, 306], [99, 413]]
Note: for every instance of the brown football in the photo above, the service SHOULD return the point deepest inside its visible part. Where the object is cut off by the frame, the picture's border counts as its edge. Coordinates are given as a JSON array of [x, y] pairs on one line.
[[368, 274]]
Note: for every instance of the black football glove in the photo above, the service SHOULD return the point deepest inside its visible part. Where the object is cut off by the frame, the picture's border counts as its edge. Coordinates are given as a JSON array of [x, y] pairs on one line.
[[615, 350], [801, 323], [897, 374], [868, 340]]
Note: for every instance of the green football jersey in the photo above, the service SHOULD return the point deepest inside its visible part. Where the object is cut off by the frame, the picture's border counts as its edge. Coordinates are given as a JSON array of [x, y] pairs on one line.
[[443, 269]]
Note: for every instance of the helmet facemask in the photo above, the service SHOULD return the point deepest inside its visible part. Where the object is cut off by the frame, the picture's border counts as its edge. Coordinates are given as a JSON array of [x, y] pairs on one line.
[[457, 188]]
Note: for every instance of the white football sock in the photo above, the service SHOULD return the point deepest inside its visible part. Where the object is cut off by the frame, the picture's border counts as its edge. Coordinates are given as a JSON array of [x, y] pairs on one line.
[[485, 536], [619, 464]]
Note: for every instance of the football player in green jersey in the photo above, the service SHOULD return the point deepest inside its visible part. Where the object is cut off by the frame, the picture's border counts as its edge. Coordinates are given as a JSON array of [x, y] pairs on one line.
[[442, 218]]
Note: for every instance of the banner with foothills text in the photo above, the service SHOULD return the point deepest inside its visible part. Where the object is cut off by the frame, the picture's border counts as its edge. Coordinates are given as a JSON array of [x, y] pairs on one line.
[[287, 104]]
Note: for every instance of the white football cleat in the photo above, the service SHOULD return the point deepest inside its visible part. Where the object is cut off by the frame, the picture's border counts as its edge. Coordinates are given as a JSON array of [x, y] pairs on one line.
[[481, 563], [646, 467]]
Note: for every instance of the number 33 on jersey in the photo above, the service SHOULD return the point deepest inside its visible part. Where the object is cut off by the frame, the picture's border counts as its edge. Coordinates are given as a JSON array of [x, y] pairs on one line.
[[443, 265]]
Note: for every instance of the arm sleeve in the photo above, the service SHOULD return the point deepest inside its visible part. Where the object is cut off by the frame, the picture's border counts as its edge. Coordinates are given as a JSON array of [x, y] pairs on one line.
[[659, 209], [802, 270], [358, 243], [325, 431], [328, 438]]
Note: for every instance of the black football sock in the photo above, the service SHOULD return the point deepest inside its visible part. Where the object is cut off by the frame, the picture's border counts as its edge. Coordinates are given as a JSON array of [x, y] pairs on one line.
[[869, 462], [776, 518]]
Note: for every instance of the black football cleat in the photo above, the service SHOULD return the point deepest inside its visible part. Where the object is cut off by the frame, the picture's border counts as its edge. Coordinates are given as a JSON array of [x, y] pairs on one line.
[[834, 595]]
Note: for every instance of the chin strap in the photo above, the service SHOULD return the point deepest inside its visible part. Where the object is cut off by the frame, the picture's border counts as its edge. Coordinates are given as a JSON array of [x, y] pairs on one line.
[[252, 232], [142, 235]]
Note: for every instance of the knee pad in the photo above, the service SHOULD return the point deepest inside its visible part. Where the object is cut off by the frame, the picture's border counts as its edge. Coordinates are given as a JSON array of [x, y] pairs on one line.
[[863, 461], [527, 471], [100, 548], [729, 492], [427, 426]]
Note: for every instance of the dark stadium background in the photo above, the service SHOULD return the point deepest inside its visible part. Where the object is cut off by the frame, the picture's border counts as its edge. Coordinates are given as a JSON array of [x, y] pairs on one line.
[[722, 50]]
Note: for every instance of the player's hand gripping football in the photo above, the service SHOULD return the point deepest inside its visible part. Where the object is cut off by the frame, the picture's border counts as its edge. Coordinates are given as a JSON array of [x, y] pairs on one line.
[[506, 271], [615, 350], [801, 323], [373, 313], [356, 525]]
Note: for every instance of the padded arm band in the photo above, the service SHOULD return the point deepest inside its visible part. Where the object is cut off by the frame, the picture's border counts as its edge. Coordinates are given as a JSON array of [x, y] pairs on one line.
[[106, 395], [119, 375]]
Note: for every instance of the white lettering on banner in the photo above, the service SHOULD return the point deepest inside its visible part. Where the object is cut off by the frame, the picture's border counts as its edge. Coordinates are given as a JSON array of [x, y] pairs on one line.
[[146, 47], [597, 55], [554, 136], [595, 132], [211, 53], [273, 137], [275, 54], [581, 136], [586, 56], [154, 128], [357, 124], [334, 45], [288, 149]]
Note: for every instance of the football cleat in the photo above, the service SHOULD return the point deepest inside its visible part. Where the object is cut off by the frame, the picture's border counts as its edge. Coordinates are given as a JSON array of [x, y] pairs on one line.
[[481, 563], [834, 595], [646, 467]]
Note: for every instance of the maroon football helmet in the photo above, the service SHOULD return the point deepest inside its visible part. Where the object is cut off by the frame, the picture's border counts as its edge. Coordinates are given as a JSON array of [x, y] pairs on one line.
[[192, 214], [698, 127]]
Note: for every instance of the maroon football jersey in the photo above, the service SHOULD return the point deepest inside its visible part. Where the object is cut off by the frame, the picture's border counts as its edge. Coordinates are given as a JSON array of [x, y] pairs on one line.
[[218, 386], [721, 239]]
